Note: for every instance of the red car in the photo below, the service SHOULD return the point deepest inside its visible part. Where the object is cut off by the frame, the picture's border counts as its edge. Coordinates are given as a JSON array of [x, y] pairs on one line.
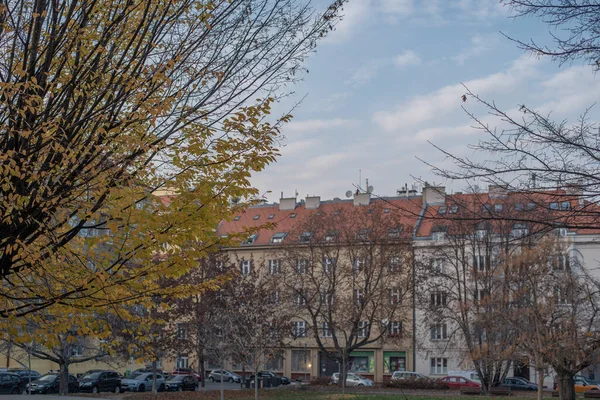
[[186, 371], [457, 382]]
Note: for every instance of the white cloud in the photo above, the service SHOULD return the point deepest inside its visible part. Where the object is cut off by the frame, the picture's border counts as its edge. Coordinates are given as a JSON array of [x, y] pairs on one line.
[[298, 147], [479, 45], [432, 106], [313, 125], [365, 73], [397, 7], [355, 13], [407, 58]]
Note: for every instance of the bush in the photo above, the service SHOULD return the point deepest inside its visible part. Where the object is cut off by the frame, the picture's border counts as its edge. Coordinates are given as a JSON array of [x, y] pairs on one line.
[[418, 383], [320, 381]]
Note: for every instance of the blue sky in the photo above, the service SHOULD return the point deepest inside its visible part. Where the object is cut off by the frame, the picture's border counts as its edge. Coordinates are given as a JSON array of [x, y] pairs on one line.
[[389, 79]]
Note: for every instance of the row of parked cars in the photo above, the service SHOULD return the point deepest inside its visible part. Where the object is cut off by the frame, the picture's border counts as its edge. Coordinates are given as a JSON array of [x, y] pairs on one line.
[[17, 381]]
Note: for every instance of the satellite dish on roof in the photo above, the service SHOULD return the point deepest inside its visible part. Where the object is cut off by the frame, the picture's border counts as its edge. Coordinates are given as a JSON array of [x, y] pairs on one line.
[[370, 189], [349, 193]]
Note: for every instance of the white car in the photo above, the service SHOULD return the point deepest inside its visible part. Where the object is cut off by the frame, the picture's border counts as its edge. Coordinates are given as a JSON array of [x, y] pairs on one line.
[[352, 380], [142, 382], [397, 375]]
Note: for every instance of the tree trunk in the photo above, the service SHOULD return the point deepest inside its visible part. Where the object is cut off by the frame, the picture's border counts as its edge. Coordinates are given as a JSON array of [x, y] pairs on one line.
[[202, 370], [255, 383], [221, 380], [566, 385], [154, 388], [243, 376], [63, 385], [343, 373], [540, 382]]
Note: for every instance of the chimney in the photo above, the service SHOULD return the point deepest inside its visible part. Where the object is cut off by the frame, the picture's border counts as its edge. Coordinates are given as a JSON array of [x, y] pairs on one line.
[[287, 203], [312, 202], [362, 199], [434, 195]]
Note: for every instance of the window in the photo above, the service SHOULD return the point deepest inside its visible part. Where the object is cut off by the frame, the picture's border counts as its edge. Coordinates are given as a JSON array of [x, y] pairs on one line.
[[327, 298], [561, 295], [565, 205], [370, 211], [362, 361], [395, 328], [438, 332], [305, 237], [386, 210], [363, 329], [300, 360], [561, 262], [359, 265], [274, 297], [336, 212], [439, 366], [498, 207], [246, 267], [437, 265], [301, 266], [300, 329], [486, 208], [274, 363], [562, 231], [442, 210], [554, 206], [481, 234], [358, 296], [479, 295], [438, 236], [293, 215], [395, 296], [395, 264], [256, 217], [480, 262], [271, 216], [278, 237], [519, 207], [328, 265], [530, 206], [181, 331], [438, 299], [237, 218], [330, 236], [299, 298], [519, 230], [274, 267], [251, 239], [77, 350], [453, 209], [394, 233], [363, 234], [182, 362], [326, 331]]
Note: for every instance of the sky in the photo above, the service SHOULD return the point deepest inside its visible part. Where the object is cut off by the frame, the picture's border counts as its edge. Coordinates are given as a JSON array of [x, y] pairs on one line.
[[387, 83]]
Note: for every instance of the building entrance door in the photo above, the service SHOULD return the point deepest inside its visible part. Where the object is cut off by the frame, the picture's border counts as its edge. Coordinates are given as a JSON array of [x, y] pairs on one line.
[[327, 366]]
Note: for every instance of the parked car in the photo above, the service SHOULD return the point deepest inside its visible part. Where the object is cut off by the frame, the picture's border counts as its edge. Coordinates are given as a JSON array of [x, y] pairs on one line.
[[25, 374], [140, 382], [516, 383], [11, 383], [100, 381], [352, 380], [49, 383], [187, 371], [179, 383], [269, 374], [225, 375], [471, 375], [457, 382], [407, 375]]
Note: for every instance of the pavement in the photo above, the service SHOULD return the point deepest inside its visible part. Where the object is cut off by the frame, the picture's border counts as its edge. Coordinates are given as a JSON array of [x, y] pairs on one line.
[[43, 397]]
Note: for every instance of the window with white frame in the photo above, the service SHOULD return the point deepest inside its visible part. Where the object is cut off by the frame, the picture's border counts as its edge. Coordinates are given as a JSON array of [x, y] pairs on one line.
[[359, 264], [394, 233], [301, 266], [274, 267], [480, 295], [395, 264], [439, 366], [328, 265], [395, 296], [76, 350], [326, 330], [359, 296], [438, 332], [246, 267], [251, 239], [327, 298], [181, 331], [438, 236], [300, 329], [561, 262], [480, 262], [519, 230], [438, 298], [182, 362], [363, 234], [299, 298], [330, 236], [363, 329], [278, 237], [438, 265], [395, 328], [305, 237], [561, 295]]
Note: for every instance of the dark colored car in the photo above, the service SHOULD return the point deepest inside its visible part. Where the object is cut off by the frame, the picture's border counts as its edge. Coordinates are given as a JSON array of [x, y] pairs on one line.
[[519, 384], [179, 383], [269, 374], [11, 383], [100, 381], [50, 383], [25, 374]]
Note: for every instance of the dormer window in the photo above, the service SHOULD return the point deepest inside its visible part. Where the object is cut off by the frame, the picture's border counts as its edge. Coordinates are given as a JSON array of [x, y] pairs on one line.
[[251, 239], [386, 210], [278, 237], [565, 205], [442, 210], [330, 236], [530, 206], [305, 237], [554, 206], [293, 215], [453, 209], [271, 216], [370, 211], [498, 207], [394, 233], [519, 207], [362, 234], [256, 217], [336, 212], [237, 218], [486, 208]]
